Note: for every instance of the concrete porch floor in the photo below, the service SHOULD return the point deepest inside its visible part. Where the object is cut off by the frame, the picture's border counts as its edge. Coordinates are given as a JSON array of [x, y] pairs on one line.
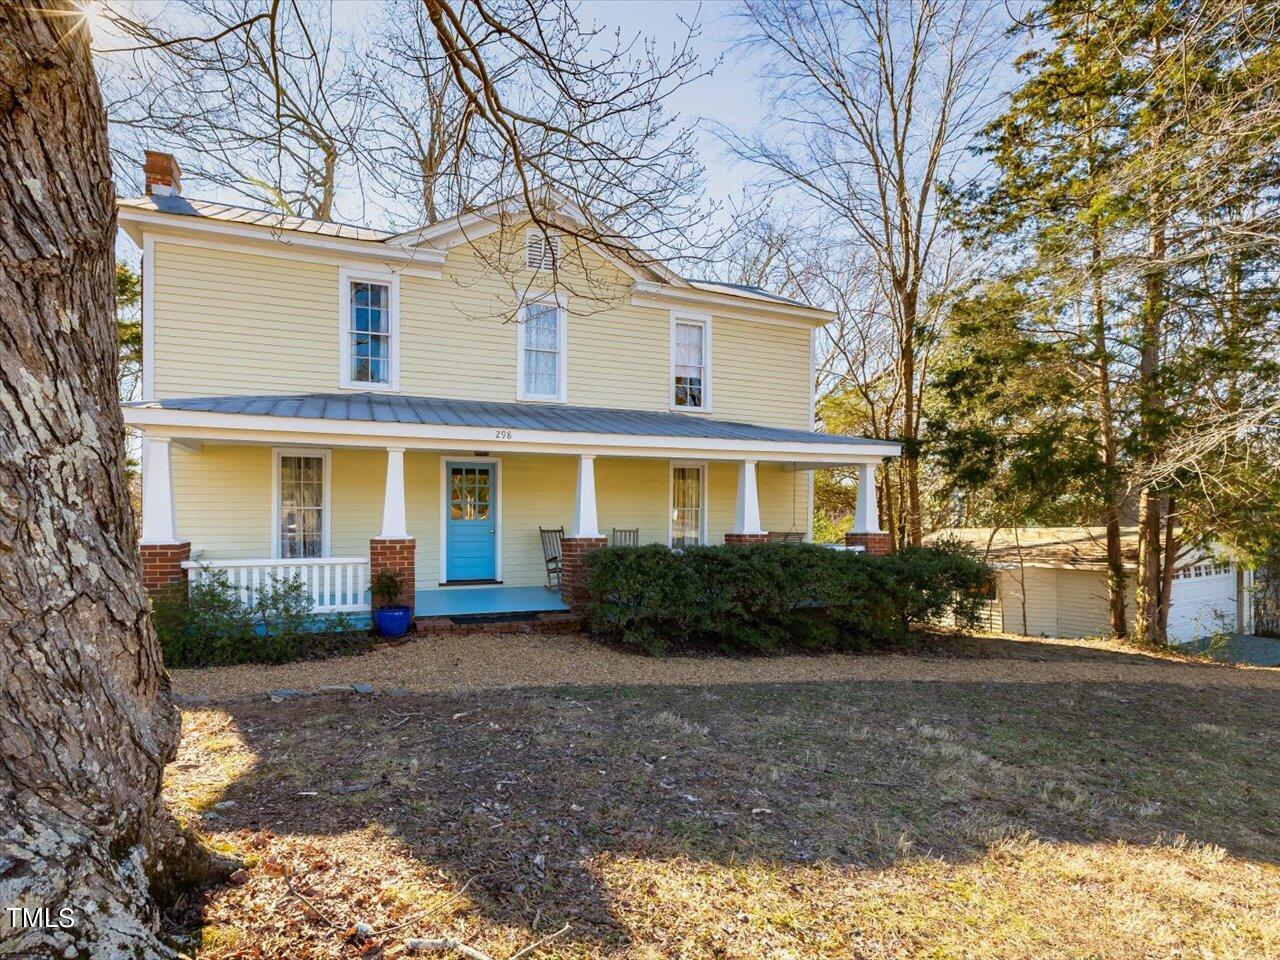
[[460, 601]]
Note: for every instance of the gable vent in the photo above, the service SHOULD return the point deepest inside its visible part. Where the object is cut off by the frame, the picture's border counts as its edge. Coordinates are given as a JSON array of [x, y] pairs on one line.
[[541, 252]]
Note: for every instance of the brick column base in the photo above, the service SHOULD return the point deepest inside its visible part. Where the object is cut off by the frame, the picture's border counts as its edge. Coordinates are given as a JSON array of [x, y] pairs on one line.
[[875, 544], [573, 581], [745, 539], [397, 555], [162, 564]]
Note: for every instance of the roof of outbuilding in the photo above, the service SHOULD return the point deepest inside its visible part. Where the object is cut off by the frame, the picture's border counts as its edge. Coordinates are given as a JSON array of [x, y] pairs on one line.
[[1080, 548], [436, 411]]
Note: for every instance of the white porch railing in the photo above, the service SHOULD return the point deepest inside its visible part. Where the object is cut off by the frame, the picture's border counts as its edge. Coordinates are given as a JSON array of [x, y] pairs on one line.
[[335, 584]]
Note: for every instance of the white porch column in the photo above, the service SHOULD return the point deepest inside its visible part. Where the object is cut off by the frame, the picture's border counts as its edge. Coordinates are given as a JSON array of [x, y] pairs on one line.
[[584, 501], [866, 514], [746, 516], [158, 524], [393, 513]]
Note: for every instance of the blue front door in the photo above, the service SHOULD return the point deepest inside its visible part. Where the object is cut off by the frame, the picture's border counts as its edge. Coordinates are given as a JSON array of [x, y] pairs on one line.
[[472, 523]]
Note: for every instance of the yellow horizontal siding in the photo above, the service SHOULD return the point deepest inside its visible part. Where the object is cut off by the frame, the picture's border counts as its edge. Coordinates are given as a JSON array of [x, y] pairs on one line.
[[223, 499], [229, 322], [760, 373], [634, 494], [784, 499], [236, 323]]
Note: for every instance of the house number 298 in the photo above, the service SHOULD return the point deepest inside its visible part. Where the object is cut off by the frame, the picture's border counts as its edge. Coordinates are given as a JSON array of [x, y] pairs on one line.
[[503, 435]]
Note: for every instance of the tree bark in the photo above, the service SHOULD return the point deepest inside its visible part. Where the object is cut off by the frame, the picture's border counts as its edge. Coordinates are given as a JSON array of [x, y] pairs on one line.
[[913, 528], [1150, 505], [1116, 578], [87, 723]]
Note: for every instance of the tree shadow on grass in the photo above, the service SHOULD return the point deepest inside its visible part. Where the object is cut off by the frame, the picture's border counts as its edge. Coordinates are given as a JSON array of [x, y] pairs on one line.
[[523, 790]]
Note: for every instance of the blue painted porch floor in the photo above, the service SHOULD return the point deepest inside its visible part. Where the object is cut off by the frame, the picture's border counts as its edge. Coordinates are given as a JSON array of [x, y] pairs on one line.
[[460, 601]]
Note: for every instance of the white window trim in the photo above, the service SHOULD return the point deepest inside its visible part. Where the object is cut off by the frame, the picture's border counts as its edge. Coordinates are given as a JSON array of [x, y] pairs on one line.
[[347, 276], [323, 454], [671, 491], [496, 462], [562, 381], [704, 319]]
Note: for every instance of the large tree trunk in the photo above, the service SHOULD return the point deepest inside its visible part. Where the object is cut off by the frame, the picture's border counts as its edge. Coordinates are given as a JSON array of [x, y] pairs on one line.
[[1116, 579], [1147, 617], [913, 532], [87, 723]]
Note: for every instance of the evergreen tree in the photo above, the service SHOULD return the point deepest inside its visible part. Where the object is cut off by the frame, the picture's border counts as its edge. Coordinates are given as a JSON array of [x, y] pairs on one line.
[[1121, 351]]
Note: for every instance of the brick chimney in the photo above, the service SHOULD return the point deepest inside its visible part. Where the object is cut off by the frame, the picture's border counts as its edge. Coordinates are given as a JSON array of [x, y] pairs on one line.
[[162, 173]]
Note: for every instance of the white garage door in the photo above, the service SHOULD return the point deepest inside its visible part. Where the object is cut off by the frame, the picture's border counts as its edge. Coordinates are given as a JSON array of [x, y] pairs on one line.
[[1204, 601]]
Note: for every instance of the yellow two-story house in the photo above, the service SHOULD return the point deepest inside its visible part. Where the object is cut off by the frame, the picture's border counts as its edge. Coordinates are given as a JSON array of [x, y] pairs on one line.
[[476, 404]]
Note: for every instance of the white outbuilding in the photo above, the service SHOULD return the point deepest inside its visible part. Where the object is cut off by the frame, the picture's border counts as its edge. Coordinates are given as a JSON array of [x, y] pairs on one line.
[[1052, 582]]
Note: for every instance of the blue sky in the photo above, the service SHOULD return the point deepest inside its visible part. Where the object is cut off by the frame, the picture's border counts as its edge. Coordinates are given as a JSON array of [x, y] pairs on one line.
[[729, 95]]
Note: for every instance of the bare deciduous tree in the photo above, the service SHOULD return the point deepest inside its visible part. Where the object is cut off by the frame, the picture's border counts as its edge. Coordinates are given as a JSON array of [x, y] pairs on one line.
[[873, 103], [252, 94], [424, 153]]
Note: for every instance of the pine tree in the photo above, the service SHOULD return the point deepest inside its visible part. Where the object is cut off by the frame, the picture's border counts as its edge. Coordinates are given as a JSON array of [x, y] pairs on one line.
[[1132, 216]]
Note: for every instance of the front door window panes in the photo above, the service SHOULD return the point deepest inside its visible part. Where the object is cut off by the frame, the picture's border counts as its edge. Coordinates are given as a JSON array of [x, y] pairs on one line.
[[469, 493]]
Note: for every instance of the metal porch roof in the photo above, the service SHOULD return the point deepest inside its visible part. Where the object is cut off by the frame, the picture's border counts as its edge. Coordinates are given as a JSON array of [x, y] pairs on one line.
[[436, 411]]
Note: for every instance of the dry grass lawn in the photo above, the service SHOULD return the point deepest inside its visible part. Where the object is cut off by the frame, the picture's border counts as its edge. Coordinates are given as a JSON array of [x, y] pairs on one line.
[[1099, 805]]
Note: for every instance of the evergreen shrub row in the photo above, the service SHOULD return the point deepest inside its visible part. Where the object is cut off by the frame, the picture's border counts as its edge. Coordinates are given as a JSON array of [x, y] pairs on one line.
[[775, 597]]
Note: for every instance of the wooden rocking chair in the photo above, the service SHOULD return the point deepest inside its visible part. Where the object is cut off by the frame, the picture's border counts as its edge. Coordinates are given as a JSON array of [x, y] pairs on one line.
[[625, 538], [552, 554]]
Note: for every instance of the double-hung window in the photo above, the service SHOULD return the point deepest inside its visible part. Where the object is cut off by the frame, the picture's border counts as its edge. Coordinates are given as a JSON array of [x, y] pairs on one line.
[[301, 504], [690, 362], [370, 328], [541, 359], [688, 496]]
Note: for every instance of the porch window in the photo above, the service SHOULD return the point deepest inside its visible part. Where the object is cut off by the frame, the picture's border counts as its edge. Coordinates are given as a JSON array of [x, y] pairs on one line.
[[301, 498], [542, 338], [690, 363], [370, 352], [686, 505]]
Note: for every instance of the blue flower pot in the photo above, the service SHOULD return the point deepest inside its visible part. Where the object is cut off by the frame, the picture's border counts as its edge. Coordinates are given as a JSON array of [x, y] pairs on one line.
[[393, 621]]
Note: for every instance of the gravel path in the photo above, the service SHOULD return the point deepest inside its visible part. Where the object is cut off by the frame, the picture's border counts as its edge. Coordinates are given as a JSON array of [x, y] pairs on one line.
[[482, 661]]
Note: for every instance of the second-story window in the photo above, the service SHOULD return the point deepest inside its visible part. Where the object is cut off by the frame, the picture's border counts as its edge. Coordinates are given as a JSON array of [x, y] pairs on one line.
[[370, 353], [691, 363], [541, 358]]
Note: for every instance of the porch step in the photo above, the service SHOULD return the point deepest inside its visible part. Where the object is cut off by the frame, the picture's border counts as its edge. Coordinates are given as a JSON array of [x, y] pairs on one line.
[[545, 622]]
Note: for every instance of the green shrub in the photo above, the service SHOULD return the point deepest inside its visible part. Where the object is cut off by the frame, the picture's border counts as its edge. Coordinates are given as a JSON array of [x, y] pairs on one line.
[[386, 587], [770, 597], [207, 625]]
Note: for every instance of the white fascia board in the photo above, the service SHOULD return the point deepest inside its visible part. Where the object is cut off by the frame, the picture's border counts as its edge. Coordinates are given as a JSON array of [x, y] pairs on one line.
[[137, 222], [233, 427], [664, 296]]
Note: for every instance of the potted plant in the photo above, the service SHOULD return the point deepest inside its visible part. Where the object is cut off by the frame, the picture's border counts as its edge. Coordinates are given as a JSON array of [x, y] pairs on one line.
[[391, 617]]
